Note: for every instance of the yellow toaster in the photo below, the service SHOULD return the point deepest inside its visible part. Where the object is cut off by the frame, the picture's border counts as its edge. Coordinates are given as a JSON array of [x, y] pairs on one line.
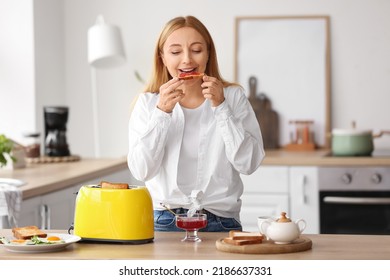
[[114, 215]]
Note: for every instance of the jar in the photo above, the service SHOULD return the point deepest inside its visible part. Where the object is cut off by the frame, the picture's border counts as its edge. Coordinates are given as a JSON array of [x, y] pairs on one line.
[[33, 146], [301, 131]]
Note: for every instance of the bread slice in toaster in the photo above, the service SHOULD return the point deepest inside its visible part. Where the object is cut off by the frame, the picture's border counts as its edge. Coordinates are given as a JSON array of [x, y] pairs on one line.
[[109, 185]]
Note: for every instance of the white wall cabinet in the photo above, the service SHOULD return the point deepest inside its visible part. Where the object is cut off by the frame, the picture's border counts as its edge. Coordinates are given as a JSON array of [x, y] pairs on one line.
[[56, 210], [265, 194]]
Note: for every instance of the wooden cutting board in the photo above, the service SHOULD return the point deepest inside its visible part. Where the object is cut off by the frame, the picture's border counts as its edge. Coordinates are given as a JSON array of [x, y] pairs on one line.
[[303, 243], [267, 118], [47, 159]]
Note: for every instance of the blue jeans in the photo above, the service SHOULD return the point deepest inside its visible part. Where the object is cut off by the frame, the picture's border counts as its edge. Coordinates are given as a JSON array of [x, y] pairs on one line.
[[165, 221]]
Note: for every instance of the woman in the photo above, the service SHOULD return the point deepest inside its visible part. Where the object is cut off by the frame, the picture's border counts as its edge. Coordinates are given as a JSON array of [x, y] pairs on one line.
[[189, 140]]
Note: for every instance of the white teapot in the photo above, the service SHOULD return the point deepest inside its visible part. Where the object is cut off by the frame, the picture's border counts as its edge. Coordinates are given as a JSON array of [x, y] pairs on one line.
[[283, 230]]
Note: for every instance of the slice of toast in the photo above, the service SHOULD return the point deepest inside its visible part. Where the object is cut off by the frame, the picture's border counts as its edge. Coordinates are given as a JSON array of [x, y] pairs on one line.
[[230, 240], [244, 235], [188, 76], [28, 232], [108, 185]]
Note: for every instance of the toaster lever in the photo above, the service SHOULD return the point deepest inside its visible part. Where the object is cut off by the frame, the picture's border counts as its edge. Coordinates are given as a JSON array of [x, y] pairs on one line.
[[70, 228]]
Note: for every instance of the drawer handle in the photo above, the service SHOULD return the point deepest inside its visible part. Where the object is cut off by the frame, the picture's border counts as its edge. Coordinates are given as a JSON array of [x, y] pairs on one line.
[[302, 183], [45, 216], [357, 200]]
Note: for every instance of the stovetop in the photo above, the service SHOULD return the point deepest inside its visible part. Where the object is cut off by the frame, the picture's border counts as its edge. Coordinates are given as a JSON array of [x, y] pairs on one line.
[[375, 154], [381, 153]]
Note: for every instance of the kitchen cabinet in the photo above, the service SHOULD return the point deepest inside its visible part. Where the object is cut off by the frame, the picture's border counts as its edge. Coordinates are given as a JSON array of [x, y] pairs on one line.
[[275, 189], [55, 210], [266, 193], [304, 196], [51, 211]]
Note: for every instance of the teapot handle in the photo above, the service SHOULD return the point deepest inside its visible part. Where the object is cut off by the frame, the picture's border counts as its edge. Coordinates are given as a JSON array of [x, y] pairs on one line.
[[303, 224], [264, 226]]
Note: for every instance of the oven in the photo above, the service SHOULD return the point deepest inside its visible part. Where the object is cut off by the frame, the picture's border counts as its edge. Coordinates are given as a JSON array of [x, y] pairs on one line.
[[354, 200]]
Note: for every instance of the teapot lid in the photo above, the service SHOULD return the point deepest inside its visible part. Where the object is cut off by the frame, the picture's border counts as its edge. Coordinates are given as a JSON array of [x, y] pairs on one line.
[[283, 218]]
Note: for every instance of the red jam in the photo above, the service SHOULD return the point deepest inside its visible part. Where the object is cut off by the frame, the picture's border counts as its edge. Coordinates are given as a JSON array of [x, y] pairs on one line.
[[191, 224], [190, 75]]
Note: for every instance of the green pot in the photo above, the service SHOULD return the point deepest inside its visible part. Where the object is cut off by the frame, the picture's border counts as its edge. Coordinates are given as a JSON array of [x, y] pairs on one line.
[[351, 142]]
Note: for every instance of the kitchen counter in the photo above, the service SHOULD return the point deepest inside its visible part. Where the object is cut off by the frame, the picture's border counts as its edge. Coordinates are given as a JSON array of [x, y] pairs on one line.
[[42, 178], [323, 158], [167, 246]]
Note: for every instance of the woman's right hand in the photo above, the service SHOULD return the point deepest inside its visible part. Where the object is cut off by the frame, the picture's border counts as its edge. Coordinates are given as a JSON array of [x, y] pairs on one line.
[[170, 95]]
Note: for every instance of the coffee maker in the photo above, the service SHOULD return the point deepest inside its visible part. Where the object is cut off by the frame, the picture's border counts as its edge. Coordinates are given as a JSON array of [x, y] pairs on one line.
[[55, 131]]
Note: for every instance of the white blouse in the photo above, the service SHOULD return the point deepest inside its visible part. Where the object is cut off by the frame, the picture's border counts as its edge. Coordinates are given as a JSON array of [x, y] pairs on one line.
[[230, 143]]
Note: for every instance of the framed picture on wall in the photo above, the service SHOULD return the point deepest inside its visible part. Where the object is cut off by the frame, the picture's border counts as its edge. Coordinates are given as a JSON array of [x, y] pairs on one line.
[[290, 58]]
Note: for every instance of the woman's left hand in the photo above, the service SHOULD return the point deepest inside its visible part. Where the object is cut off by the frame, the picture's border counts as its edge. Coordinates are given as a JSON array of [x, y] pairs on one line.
[[213, 90]]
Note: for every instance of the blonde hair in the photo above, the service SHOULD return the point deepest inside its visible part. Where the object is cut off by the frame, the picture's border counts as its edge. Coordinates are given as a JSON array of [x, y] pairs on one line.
[[160, 74]]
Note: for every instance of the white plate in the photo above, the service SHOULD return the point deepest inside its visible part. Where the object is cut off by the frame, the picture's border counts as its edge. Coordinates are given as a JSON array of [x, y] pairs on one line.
[[44, 248]]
